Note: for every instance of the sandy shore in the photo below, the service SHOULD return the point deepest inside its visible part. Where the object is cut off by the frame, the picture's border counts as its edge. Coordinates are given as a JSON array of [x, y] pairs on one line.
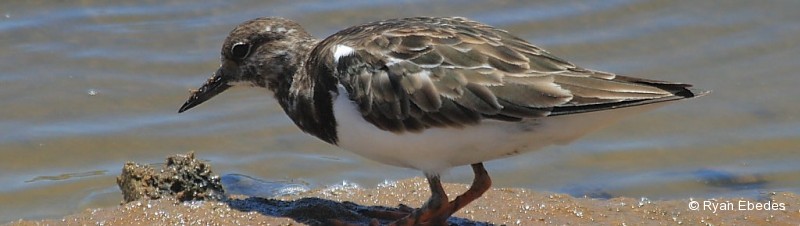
[[510, 206], [168, 196]]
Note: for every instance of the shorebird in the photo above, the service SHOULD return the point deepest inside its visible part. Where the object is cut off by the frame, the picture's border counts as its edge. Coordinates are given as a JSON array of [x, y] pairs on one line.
[[429, 93]]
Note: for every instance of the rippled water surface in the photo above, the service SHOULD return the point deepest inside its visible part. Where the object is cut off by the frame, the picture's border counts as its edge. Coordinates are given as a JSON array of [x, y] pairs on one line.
[[87, 86]]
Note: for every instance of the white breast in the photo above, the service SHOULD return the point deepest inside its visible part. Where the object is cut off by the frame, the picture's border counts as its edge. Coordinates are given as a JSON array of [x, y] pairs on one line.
[[437, 149]]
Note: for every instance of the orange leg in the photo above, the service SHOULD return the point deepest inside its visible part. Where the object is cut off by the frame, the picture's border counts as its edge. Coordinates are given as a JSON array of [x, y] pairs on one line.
[[438, 209]]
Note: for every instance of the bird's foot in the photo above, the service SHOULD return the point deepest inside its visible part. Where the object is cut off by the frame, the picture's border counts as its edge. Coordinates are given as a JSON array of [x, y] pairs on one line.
[[389, 214], [437, 210]]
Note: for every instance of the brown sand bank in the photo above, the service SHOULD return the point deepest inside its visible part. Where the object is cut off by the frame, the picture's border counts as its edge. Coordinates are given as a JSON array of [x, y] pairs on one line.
[[154, 196], [509, 206]]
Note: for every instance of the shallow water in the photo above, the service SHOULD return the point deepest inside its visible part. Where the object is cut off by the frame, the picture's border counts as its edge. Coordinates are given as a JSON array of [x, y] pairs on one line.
[[87, 86]]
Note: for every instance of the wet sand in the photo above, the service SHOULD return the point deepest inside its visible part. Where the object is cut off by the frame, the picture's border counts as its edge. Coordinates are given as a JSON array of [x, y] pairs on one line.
[[186, 191], [510, 206]]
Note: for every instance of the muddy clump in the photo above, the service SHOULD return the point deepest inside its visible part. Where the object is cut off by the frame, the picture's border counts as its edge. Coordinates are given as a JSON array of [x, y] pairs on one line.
[[182, 177]]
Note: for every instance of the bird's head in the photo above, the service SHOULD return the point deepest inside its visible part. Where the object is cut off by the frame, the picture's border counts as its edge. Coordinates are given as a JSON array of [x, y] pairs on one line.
[[263, 52]]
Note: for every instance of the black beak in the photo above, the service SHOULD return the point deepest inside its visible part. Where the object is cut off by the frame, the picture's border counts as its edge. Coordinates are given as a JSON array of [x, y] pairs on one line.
[[215, 85]]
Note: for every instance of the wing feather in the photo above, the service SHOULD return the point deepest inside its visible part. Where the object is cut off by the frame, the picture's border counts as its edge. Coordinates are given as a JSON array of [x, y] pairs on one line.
[[416, 73]]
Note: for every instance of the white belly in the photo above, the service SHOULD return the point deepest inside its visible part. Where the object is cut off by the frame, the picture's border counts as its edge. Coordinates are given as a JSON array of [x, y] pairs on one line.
[[437, 149]]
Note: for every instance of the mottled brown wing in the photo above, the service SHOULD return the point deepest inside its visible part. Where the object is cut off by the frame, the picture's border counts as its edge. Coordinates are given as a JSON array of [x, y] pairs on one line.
[[415, 73]]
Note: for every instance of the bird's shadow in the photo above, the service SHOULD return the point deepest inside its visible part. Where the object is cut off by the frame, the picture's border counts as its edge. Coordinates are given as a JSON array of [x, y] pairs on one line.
[[318, 211]]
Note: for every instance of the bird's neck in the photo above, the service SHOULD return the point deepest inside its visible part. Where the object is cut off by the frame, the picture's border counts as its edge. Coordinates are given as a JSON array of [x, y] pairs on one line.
[[307, 95]]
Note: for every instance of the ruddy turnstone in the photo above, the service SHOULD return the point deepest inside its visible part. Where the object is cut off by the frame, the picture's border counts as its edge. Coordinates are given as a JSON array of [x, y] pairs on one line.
[[429, 94]]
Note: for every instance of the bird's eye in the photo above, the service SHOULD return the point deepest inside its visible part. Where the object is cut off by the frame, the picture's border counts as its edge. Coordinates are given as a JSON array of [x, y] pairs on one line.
[[240, 50]]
